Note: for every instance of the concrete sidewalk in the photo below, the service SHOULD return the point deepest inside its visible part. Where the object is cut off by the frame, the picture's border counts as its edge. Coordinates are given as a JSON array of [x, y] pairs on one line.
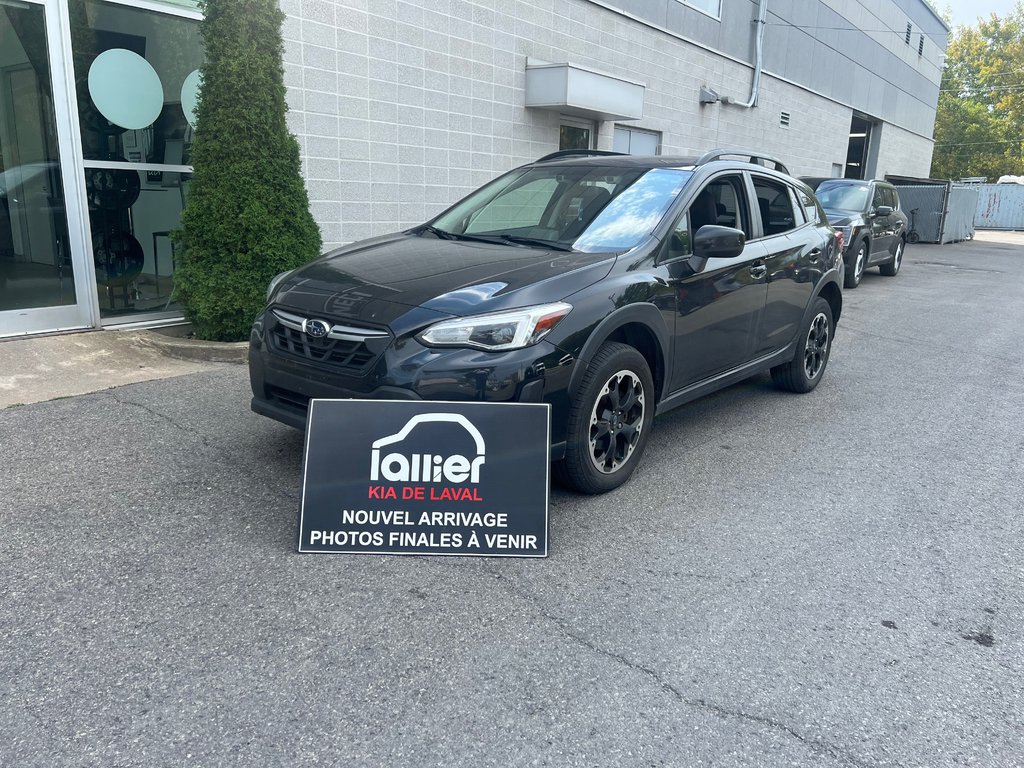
[[38, 368]]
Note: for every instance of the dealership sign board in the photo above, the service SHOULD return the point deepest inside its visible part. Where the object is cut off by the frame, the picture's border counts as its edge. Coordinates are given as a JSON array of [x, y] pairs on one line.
[[426, 478]]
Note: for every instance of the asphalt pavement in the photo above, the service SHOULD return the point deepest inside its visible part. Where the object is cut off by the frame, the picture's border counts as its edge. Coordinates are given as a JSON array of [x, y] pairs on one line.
[[832, 579]]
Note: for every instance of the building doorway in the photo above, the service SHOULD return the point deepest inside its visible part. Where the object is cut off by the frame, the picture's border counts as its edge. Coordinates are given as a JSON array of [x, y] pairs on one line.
[[858, 148], [43, 283]]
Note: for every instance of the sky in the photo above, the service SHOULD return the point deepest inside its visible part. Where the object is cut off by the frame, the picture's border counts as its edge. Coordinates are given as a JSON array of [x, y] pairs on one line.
[[968, 11]]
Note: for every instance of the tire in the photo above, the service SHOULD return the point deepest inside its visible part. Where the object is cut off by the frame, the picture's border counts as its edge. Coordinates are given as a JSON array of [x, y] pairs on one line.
[[890, 269], [855, 271], [804, 371], [913, 237], [601, 452]]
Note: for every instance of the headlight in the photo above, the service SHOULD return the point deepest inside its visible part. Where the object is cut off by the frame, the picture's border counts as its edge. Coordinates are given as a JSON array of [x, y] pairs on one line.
[[499, 331], [276, 281], [847, 234]]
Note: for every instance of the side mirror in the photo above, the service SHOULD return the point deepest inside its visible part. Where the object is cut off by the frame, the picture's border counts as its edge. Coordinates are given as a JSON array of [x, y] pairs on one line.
[[883, 210], [715, 242]]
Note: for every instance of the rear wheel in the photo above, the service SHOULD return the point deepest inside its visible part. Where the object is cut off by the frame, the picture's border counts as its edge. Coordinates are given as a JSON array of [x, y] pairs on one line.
[[855, 271], [609, 421], [805, 370], [890, 269]]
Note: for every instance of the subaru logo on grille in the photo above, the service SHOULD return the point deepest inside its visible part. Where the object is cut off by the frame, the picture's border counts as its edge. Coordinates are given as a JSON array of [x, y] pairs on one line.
[[317, 329]]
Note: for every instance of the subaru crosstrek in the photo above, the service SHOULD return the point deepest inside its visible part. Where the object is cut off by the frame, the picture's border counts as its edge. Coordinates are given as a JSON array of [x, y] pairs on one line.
[[612, 287]]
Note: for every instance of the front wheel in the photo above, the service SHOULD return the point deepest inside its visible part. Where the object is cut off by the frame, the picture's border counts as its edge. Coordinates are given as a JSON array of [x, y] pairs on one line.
[[855, 271], [609, 421], [890, 269], [805, 370]]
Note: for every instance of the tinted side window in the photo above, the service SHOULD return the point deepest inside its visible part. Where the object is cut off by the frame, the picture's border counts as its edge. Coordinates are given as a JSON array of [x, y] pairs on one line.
[[721, 203], [679, 240], [809, 205], [891, 198], [878, 198], [776, 206]]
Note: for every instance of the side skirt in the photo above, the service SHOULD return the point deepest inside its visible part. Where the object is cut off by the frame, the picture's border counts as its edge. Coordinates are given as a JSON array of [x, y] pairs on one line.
[[707, 386]]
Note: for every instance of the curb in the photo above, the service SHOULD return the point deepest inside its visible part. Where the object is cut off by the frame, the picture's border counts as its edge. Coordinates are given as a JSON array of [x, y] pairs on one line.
[[236, 352]]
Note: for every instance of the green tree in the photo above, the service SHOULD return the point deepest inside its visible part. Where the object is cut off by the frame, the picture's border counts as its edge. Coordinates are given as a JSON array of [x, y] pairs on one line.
[[979, 124], [247, 216]]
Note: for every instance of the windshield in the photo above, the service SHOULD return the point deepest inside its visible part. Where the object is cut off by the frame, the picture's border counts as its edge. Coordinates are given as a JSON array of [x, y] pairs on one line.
[[585, 208], [846, 197]]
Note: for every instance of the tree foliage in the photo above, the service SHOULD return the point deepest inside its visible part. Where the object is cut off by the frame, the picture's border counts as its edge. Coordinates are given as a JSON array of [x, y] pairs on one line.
[[979, 126], [247, 216]]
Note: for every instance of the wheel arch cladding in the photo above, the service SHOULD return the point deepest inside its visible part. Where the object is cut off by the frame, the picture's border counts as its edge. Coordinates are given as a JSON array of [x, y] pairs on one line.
[[641, 338], [640, 326], [831, 293]]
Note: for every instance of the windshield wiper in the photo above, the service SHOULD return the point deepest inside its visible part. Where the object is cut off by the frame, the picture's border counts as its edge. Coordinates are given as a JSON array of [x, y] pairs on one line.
[[435, 231], [534, 241]]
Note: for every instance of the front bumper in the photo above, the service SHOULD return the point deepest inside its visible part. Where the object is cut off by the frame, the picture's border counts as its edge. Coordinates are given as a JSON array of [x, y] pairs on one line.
[[283, 384]]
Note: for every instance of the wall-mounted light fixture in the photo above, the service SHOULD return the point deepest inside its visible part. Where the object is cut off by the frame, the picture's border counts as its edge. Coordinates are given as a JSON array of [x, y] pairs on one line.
[[707, 95]]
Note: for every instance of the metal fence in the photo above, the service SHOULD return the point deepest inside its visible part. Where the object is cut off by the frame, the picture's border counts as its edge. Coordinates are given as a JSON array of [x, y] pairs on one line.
[[1000, 206], [939, 211], [923, 204]]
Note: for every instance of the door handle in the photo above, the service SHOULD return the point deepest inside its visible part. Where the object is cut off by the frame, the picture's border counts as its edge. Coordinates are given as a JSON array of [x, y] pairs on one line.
[[758, 271]]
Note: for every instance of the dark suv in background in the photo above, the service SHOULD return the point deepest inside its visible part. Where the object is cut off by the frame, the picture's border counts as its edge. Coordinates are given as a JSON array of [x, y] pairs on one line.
[[610, 286], [873, 225]]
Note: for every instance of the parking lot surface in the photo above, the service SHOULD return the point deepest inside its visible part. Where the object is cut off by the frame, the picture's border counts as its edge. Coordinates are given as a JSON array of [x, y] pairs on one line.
[[832, 579]]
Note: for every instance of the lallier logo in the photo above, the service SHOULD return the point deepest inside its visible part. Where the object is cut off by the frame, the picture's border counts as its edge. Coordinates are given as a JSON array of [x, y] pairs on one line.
[[426, 476]]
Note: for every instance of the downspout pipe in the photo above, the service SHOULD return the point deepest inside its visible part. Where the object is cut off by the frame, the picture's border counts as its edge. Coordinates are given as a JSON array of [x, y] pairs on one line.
[[755, 85]]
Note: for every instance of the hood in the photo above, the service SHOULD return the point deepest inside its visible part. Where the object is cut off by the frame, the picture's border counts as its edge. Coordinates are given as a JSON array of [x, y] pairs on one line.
[[838, 217], [379, 280]]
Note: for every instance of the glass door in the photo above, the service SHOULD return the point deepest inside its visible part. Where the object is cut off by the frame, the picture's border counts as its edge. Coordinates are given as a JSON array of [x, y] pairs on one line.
[[137, 71], [41, 282]]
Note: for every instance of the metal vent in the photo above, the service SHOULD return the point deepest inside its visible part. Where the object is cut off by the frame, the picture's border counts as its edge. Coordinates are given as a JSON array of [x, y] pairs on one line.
[[910, 30], [920, 46], [784, 119]]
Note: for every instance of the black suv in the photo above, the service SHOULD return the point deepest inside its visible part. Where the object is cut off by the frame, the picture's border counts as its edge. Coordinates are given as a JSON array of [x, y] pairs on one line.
[[873, 225], [610, 286]]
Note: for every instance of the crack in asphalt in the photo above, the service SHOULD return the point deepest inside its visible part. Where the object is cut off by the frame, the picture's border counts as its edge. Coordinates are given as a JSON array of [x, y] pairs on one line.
[[720, 711], [221, 454], [164, 417]]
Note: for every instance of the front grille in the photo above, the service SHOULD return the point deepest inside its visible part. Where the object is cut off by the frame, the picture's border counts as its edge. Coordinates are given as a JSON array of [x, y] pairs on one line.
[[345, 348], [334, 352]]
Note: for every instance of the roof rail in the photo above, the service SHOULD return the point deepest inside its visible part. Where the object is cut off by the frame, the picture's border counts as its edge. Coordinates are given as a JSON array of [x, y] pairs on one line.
[[576, 153], [753, 156]]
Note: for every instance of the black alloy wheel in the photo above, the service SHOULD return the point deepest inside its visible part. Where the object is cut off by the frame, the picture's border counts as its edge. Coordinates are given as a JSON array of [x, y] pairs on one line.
[[609, 422], [890, 269], [856, 270], [805, 370]]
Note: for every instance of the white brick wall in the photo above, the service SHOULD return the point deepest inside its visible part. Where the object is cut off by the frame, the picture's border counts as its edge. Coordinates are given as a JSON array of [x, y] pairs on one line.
[[402, 107]]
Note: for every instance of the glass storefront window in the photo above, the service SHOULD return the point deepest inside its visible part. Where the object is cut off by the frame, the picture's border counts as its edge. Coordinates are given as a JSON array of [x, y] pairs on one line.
[[137, 77], [133, 214], [134, 71], [35, 258]]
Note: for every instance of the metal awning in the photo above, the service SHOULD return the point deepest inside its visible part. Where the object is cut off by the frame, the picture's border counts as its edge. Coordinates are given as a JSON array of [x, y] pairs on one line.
[[573, 90]]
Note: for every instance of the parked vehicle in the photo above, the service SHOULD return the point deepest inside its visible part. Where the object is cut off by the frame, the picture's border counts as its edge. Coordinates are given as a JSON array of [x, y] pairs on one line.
[[874, 226], [610, 286]]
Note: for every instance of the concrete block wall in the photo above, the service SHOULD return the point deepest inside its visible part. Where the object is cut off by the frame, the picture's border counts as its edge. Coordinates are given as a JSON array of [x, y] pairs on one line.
[[902, 153], [402, 107]]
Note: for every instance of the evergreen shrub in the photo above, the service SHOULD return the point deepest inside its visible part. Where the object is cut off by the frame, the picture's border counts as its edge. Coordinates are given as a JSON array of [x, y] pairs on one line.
[[247, 216]]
